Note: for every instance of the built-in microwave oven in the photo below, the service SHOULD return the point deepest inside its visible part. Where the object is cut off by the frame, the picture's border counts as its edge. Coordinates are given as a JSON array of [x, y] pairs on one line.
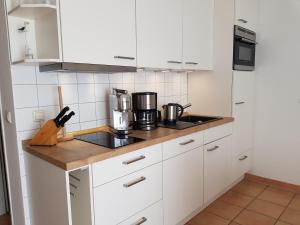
[[244, 49]]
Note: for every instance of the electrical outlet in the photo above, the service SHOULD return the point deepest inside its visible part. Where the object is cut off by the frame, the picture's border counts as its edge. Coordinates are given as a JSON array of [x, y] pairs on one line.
[[38, 116]]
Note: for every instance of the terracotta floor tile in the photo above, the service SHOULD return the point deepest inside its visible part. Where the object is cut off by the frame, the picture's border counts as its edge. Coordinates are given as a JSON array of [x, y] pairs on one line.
[[282, 223], [224, 209], [251, 218], [249, 188], [295, 204], [236, 199], [277, 196], [266, 208], [234, 223], [291, 216], [206, 218]]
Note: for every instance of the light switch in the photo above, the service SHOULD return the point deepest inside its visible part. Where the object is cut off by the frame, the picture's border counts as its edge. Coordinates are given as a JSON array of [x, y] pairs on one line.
[[38, 116]]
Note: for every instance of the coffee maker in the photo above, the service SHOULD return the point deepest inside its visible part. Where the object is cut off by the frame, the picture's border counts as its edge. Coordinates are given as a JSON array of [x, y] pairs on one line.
[[145, 113], [119, 109]]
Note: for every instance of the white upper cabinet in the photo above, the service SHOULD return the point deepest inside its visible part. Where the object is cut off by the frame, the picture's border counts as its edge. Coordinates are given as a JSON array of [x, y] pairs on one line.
[[246, 13], [99, 31], [159, 33], [198, 24]]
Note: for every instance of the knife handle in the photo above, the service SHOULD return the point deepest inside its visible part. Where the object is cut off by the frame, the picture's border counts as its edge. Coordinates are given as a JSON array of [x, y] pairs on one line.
[[65, 119], [61, 114]]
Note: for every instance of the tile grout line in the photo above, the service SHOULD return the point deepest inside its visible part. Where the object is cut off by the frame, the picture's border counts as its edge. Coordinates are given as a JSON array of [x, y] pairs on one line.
[[245, 208], [286, 207]]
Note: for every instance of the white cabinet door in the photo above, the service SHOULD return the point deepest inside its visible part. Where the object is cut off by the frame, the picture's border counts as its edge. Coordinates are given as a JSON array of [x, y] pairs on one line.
[[99, 31], [247, 13], [241, 165], [198, 25], [182, 185], [159, 33], [217, 167], [243, 111]]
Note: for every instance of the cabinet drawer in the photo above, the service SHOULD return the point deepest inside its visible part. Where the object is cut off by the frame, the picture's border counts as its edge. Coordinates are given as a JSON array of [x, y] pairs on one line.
[[241, 165], [153, 215], [118, 200], [182, 144], [218, 132], [111, 169]]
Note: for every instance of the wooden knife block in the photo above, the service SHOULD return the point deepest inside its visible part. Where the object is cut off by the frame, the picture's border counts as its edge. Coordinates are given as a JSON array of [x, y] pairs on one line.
[[47, 136]]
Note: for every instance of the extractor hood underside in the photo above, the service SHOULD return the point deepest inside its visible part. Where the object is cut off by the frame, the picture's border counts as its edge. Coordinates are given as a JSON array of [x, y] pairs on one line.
[[85, 68]]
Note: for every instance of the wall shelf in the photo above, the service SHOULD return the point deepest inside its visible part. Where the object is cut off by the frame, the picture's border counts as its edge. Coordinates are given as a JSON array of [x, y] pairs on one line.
[[32, 11], [35, 62]]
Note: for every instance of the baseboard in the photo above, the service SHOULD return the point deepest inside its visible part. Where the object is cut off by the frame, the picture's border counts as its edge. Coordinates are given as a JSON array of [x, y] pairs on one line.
[[272, 182]]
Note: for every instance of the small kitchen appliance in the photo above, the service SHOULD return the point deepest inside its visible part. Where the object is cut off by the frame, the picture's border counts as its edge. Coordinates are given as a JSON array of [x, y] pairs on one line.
[[173, 112], [119, 109], [108, 140], [244, 49], [145, 113]]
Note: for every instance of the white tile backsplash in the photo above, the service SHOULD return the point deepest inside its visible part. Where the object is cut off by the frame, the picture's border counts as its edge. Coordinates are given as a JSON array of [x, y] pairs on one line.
[[46, 78], [87, 112], [85, 94], [24, 119], [48, 95], [25, 96]]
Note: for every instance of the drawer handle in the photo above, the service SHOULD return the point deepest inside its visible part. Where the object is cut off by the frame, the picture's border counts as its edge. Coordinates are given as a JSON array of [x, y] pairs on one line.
[[134, 160], [134, 182], [191, 63], [174, 62], [243, 158], [213, 149], [124, 57], [187, 142], [140, 221], [240, 103], [242, 20]]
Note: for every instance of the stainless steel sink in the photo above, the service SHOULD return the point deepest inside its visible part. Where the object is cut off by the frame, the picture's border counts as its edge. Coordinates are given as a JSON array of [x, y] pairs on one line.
[[199, 119]]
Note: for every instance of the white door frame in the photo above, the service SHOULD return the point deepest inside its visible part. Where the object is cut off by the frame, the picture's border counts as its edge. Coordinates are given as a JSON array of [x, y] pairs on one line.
[[9, 129]]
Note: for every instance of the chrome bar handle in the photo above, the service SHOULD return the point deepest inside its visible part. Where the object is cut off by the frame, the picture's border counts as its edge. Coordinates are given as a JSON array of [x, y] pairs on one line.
[[240, 103], [174, 62], [132, 183], [134, 160], [73, 185], [191, 63], [242, 20], [243, 158], [124, 57], [140, 221], [213, 149], [187, 142]]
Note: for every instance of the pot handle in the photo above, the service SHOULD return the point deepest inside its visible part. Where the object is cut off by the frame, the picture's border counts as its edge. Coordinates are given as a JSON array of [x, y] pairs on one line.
[[181, 109]]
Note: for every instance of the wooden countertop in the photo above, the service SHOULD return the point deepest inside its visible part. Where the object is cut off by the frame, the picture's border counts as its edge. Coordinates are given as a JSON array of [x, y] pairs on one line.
[[74, 154]]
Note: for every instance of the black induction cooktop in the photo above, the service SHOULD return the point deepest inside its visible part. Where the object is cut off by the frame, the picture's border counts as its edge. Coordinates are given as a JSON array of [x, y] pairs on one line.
[[108, 140]]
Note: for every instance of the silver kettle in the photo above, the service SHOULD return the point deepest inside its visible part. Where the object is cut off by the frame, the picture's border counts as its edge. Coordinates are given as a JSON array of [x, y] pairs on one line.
[[172, 112]]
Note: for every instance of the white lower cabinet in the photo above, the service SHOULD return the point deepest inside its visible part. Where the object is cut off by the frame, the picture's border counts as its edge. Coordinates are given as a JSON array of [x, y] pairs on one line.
[[153, 215], [241, 165], [217, 167], [182, 185], [116, 201]]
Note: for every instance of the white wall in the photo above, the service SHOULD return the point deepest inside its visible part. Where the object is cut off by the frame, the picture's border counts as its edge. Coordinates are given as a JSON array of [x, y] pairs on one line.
[[86, 94], [210, 91], [277, 127]]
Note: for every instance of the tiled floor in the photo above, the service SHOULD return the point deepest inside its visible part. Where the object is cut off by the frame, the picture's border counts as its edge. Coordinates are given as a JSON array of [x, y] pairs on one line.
[[250, 203], [5, 219]]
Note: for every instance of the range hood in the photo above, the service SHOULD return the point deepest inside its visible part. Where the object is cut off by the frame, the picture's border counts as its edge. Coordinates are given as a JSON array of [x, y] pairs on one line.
[[85, 68]]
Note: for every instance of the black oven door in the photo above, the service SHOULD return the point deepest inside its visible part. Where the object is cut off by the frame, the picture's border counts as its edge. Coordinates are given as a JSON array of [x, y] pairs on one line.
[[244, 54]]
